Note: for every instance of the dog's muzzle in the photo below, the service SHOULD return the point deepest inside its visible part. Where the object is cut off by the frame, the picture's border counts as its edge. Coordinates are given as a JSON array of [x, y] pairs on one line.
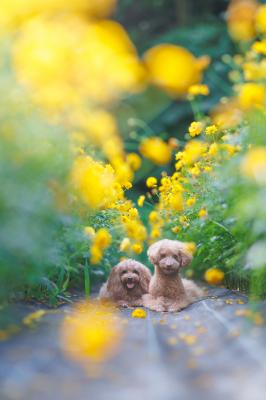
[[170, 265]]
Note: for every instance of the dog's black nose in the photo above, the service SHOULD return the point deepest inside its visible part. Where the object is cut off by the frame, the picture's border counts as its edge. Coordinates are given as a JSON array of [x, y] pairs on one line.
[[129, 279]]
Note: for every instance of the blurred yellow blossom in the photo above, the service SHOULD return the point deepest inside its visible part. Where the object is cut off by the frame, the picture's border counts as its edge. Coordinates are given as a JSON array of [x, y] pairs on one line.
[[137, 248], [211, 130], [226, 114], [260, 46], [95, 182], [251, 95], [91, 333], [156, 150], [125, 244], [141, 200], [260, 19], [214, 276], [202, 213], [254, 164], [53, 58], [33, 317], [191, 247], [196, 90], [14, 12], [191, 201], [151, 182], [195, 128], [139, 313], [241, 19], [173, 68], [176, 229], [100, 242], [134, 161]]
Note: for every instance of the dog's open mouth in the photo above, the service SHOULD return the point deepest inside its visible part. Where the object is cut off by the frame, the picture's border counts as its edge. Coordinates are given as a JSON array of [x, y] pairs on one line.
[[130, 285]]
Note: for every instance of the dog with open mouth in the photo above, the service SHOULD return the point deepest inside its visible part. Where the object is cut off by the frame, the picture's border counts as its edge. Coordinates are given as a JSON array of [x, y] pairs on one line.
[[167, 290], [127, 283]]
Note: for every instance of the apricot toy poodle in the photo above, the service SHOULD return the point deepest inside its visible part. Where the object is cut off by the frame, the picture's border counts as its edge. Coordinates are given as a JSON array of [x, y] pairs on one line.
[[127, 283], [167, 290]]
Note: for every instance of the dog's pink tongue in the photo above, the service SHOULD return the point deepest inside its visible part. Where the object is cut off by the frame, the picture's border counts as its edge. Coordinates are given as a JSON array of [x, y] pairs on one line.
[[130, 285]]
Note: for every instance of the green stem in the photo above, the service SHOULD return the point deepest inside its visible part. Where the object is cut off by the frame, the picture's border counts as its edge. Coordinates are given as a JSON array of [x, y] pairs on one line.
[[196, 110], [221, 226], [87, 285]]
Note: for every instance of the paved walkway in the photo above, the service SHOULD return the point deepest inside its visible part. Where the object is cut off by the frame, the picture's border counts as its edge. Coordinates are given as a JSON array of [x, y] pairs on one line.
[[209, 351]]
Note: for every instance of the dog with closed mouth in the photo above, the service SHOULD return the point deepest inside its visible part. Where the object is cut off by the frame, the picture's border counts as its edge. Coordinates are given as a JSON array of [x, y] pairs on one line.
[[167, 290], [127, 283]]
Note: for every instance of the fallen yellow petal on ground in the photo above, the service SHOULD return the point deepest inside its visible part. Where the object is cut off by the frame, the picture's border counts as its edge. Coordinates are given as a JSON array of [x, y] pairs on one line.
[[139, 313]]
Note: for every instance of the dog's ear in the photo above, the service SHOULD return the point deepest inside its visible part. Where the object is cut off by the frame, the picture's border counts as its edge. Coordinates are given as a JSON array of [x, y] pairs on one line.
[[145, 277], [114, 285], [186, 257], [153, 252]]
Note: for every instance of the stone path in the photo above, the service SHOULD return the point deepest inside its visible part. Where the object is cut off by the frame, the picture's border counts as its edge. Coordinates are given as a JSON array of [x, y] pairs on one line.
[[208, 351]]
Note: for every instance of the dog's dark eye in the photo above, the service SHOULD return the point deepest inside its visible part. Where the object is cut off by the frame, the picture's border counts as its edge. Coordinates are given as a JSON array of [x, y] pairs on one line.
[[124, 272], [163, 255], [135, 272]]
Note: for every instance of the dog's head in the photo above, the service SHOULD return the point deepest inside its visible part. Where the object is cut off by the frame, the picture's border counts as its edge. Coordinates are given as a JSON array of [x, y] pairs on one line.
[[169, 255], [129, 275]]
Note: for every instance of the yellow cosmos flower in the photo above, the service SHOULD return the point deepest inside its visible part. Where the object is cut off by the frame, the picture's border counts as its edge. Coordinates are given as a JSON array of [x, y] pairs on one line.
[[133, 213], [138, 313], [191, 247], [102, 238], [58, 81], [196, 90], [260, 19], [193, 151], [211, 130], [137, 248], [156, 150], [176, 229], [183, 220], [100, 242], [213, 150], [202, 213], [254, 164], [151, 182], [260, 47], [251, 95], [191, 201], [95, 182], [154, 217], [214, 276], [96, 254], [195, 128], [13, 12], [176, 201], [141, 200], [100, 128], [125, 244], [134, 161], [155, 233], [241, 19], [173, 68]]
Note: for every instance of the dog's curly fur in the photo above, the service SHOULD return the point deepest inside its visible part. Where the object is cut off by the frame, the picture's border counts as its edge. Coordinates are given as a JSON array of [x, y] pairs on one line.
[[127, 283], [167, 291]]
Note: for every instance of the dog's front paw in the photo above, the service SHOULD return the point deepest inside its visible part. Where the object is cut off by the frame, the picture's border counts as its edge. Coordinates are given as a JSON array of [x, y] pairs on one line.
[[122, 304]]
